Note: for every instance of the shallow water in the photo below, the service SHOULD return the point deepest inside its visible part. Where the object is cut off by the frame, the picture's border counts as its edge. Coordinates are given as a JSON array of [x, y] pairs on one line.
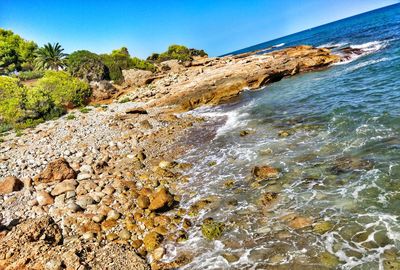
[[339, 166]]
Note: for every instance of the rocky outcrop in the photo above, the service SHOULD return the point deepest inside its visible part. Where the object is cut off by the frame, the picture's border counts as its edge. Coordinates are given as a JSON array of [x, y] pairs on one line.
[[102, 90], [213, 80], [57, 170]]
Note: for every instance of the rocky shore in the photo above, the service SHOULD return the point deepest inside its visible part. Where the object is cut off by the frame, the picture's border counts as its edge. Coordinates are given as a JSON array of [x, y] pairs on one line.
[[98, 188]]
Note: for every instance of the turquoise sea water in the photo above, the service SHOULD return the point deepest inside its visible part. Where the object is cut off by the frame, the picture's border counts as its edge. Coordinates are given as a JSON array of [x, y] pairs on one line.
[[339, 166]]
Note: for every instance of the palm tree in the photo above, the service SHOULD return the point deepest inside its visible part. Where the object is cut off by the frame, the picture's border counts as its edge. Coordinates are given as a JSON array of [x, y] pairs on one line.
[[50, 56]]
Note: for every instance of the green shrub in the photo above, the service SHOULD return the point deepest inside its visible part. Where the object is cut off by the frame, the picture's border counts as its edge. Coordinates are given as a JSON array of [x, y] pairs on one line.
[[12, 97], [85, 110], [87, 66], [71, 116], [16, 53], [63, 89], [124, 100], [29, 75]]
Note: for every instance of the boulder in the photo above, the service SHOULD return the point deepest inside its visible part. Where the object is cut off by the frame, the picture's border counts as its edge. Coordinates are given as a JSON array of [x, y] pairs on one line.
[[10, 184], [56, 171], [137, 77], [102, 90], [172, 66], [162, 199]]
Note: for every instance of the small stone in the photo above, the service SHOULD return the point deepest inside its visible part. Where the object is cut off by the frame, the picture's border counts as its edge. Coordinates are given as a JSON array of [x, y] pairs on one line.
[[98, 218], [152, 240], [10, 184], [74, 207], [158, 253], [111, 236], [88, 235], [161, 199], [113, 215], [143, 201], [166, 164], [124, 235], [230, 257], [322, 227], [62, 187], [44, 198], [83, 176], [86, 169], [84, 200]]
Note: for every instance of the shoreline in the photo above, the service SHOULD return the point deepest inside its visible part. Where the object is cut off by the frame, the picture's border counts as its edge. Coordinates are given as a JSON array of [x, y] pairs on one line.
[[120, 200]]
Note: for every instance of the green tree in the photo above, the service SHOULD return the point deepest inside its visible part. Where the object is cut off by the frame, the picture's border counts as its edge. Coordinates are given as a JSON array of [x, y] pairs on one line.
[[50, 56], [16, 53], [87, 66]]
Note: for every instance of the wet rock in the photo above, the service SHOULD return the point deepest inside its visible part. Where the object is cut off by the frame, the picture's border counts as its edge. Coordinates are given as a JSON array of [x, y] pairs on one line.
[[57, 170], [230, 257], [243, 133], [162, 199], [44, 198], [329, 260], [229, 183], [166, 164], [265, 172], [299, 222], [211, 229], [348, 164], [267, 199], [152, 240], [10, 184], [284, 133], [322, 227]]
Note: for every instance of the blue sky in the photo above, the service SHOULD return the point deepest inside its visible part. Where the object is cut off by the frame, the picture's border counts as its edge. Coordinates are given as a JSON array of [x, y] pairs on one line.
[[218, 26]]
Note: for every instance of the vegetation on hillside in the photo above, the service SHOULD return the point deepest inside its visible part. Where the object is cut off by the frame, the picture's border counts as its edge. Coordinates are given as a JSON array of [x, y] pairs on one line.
[[22, 106], [16, 53], [178, 52], [62, 80]]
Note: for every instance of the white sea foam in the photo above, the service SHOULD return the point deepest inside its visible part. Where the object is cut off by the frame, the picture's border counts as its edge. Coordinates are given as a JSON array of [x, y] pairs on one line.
[[366, 49], [332, 45], [278, 45]]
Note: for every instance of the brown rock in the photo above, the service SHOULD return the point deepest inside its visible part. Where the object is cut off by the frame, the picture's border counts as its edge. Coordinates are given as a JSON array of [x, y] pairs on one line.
[[161, 199], [152, 240], [143, 202], [265, 172], [10, 184], [300, 222], [137, 77], [57, 170]]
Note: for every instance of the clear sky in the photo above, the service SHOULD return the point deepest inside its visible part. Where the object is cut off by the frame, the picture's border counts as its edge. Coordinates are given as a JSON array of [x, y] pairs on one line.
[[146, 26]]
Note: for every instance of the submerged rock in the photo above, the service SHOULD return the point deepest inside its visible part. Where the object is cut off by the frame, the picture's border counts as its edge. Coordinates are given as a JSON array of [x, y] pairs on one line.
[[265, 172], [211, 229]]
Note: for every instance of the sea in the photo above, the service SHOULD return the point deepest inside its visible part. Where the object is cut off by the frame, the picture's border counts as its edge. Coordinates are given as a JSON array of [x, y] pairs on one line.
[[333, 134]]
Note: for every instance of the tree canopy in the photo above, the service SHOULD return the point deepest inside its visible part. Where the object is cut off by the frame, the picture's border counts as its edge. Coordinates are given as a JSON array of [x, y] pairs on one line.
[[16, 53]]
